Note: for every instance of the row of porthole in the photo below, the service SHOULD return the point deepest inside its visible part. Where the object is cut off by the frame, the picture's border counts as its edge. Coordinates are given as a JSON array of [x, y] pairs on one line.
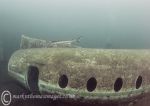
[[92, 83], [33, 74]]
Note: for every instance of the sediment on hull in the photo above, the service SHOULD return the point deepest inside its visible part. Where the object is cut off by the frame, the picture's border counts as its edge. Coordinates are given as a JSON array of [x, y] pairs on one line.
[[88, 73]]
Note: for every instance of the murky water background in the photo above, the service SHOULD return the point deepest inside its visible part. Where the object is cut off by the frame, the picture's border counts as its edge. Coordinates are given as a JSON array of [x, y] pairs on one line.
[[120, 24], [102, 23]]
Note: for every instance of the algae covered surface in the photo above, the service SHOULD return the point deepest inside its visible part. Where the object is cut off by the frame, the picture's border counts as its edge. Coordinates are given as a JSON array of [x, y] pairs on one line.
[[81, 64]]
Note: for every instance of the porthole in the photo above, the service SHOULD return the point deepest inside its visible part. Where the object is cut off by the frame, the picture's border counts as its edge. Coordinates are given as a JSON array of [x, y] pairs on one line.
[[138, 82], [91, 84], [118, 84], [63, 81]]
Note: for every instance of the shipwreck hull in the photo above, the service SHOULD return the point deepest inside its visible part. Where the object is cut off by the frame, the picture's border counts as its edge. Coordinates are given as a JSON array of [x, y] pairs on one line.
[[90, 74]]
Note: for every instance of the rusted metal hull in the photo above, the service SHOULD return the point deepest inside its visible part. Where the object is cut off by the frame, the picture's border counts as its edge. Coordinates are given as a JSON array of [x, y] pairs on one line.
[[91, 74]]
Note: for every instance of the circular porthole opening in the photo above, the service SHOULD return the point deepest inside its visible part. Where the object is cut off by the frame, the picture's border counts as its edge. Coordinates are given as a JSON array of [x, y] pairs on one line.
[[32, 79], [138, 82], [63, 81], [91, 84], [118, 84]]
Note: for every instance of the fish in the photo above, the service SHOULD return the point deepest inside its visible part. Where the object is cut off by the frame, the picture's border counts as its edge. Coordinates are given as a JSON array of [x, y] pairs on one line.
[[69, 43]]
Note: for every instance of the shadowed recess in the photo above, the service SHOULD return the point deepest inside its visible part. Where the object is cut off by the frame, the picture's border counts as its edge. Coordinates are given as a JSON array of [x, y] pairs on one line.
[[138, 82], [63, 81], [118, 84], [91, 84], [32, 78]]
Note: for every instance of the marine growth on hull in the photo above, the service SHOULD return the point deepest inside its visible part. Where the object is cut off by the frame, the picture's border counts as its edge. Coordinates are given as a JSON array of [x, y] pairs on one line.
[[102, 74]]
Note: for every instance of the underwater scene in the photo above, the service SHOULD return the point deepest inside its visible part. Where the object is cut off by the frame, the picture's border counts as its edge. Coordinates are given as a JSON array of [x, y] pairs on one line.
[[74, 52]]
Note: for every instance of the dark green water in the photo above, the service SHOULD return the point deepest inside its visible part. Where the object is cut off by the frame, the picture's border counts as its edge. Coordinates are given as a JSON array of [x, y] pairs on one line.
[[102, 23], [116, 24]]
